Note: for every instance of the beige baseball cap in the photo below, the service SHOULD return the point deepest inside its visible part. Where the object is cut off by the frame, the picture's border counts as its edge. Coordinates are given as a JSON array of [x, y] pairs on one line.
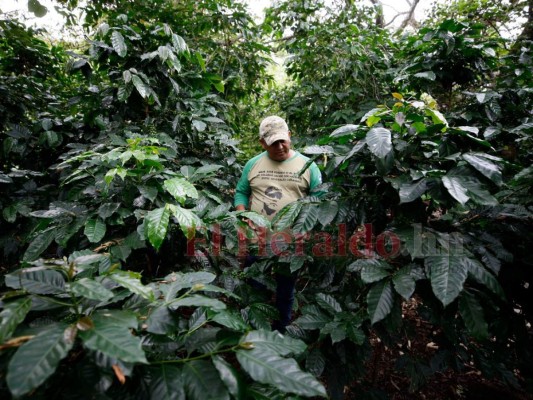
[[273, 128]]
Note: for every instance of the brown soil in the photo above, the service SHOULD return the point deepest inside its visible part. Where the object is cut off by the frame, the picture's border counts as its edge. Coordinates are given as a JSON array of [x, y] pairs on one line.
[[447, 385]]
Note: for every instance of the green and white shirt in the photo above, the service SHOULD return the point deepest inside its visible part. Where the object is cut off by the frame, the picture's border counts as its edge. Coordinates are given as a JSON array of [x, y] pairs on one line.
[[266, 186]]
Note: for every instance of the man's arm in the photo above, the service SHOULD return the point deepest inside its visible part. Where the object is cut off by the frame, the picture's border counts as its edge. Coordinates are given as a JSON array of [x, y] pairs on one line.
[[315, 178]]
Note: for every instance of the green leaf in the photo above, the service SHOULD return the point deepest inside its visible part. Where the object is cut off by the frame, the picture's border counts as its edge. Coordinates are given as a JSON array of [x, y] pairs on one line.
[[13, 314], [180, 189], [315, 362], [274, 341], [35, 7], [119, 44], [379, 142], [197, 301], [447, 275], [256, 218], [131, 281], [485, 166], [36, 280], [38, 245], [167, 383], [164, 52], [200, 60], [38, 359], [312, 318], [328, 303], [95, 230], [219, 86], [436, 117], [327, 211], [265, 366], [179, 43], [157, 224], [344, 130], [229, 376], [199, 125], [426, 75], [90, 289], [480, 274], [380, 300], [180, 281], [141, 87], [412, 191], [202, 381], [336, 330], [307, 219], [476, 191], [113, 338], [187, 220], [231, 320], [404, 283], [286, 216], [374, 271], [455, 188], [161, 321], [472, 314]]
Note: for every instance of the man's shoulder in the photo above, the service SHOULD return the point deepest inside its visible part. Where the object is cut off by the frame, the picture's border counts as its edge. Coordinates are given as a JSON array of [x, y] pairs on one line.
[[254, 159]]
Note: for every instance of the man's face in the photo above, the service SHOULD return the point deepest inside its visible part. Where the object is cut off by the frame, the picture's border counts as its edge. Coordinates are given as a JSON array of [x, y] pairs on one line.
[[279, 150]]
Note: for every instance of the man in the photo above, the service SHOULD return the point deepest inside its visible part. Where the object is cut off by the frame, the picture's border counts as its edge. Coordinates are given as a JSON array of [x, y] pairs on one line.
[[268, 183]]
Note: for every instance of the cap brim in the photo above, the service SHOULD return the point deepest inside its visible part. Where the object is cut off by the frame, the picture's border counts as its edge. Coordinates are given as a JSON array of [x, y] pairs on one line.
[[278, 136]]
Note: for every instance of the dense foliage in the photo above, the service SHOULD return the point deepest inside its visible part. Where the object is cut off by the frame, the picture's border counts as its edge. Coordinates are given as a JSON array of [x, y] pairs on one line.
[[121, 250]]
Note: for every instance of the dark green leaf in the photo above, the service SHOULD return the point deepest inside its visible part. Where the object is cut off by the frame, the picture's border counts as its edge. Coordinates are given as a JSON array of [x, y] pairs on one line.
[[36, 280], [141, 87], [307, 219], [132, 281], [380, 300], [90, 289], [480, 274], [231, 320], [38, 359], [167, 383], [374, 271], [485, 166], [113, 339], [202, 381], [404, 283], [455, 188], [472, 314], [312, 318], [315, 362], [286, 216], [161, 321], [13, 314], [447, 275], [229, 376], [35, 7], [197, 301], [274, 341], [412, 191], [39, 244], [327, 211], [95, 230], [265, 366]]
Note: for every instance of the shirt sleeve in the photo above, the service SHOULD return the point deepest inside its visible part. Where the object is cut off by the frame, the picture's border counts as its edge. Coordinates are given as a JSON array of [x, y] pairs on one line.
[[243, 190], [315, 178]]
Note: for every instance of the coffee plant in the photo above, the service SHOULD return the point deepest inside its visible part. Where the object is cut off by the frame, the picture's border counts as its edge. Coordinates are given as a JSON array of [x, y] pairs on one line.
[[122, 254]]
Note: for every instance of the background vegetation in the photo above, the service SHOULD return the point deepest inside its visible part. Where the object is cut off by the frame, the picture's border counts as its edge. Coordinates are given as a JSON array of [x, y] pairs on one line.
[[119, 153]]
